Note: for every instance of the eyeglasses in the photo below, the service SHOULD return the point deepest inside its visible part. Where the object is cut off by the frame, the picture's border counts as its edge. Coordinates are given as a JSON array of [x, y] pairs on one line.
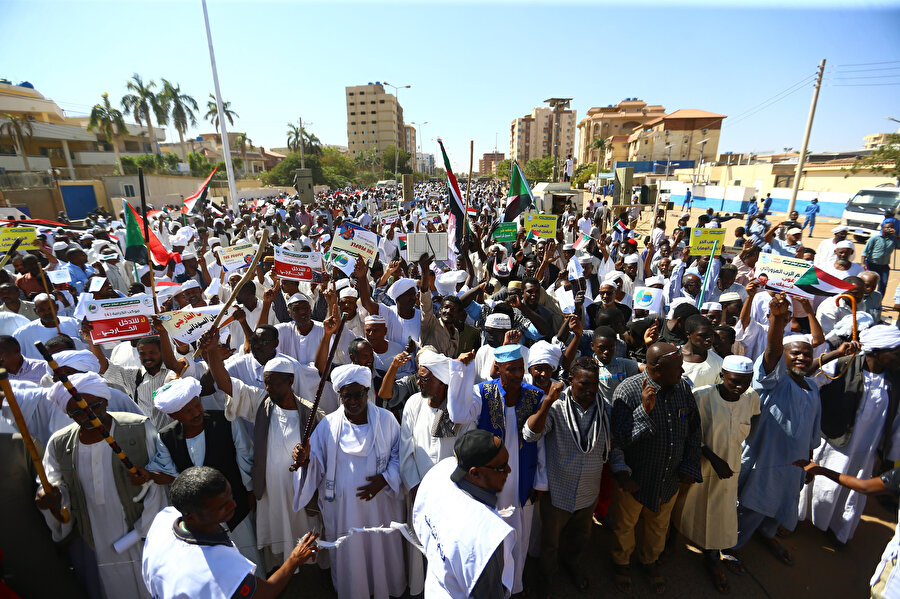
[[501, 469], [424, 380], [92, 407], [606, 292]]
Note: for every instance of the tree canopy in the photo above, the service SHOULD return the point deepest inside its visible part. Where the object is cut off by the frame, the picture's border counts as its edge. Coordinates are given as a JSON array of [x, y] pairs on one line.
[[885, 160]]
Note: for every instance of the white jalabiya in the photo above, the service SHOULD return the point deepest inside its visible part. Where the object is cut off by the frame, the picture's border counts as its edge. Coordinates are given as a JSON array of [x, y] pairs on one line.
[[706, 513], [829, 505], [701, 374], [236, 330], [364, 565], [298, 346], [120, 573], [401, 329]]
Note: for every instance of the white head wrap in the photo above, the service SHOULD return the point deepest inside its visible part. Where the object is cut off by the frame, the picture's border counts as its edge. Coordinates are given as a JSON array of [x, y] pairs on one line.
[[437, 364], [738, 364], [844, 327], [446, 283], [711, 306], [176, 394], [840, 229], [844, 245], [797, 338], [188, 254], [632, 259], [730, 296], [677, 302], [614, 275], [497, 321], [87, 382], [657, 280], [80, 359], [350, 373], [189, 284], [400, 287], [375, 319], [348, 292], [280, 365], [543, 352], [880, 337]]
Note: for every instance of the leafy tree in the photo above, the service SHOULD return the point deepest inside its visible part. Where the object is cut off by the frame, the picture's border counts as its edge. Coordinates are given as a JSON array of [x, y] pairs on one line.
[[296, 133], [143, 104], [199, 165], [884, 160], [151, 163], [212, 112], [284, 171], [539, 169], [440, 173], [583, 173], [181, 108], [338, 170], [242, 141], [388, 157], [19, 130], [171, 159], [129, 165], [110, 122], [502, 169]]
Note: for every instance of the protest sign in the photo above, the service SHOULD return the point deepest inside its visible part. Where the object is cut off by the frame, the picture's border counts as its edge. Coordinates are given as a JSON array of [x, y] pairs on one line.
[[236, 257], [702, 241], [433, 217], [543, 225], [648, 298], [433, 244], [188, 325], [60, 276], [781, 273], [505, 232], [120, 318], [357, 242], [298, 266], [28, 235], [344, 262], [389, 216]]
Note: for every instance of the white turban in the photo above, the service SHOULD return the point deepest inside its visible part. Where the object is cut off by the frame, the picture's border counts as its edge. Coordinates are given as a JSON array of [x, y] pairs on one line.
[[657, 280], [437, 364], [675, 303], [844, 327], [176, 394], [446, 283], [189, 284], [614, 275], [87, 382], [348, 292], [350, 373], [880, 337], [280, 365], [631, 259], [711, 306], [400, 287], [844, 245], [543, 352], [80, 359], [498, 321]]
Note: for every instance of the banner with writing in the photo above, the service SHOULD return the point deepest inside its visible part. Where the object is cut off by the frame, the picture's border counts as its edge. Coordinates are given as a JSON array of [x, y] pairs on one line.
[[236, 257], [505, 232], [357, 242], [389, 216], [543, 225], [298, 266], [702, 241], [119, 319], [28, 235], [188, 325], [781, 273]]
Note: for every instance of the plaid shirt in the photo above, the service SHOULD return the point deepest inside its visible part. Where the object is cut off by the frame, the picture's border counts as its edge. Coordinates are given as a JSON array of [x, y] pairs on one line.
[[659, 445]]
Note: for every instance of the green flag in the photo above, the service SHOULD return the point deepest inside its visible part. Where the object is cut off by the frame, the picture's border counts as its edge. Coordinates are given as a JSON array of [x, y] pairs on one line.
[[519, 198], [135, 248]]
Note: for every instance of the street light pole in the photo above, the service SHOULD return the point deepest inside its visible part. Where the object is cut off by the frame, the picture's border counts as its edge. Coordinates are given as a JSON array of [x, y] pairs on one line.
[[668, 160], [399, 124]]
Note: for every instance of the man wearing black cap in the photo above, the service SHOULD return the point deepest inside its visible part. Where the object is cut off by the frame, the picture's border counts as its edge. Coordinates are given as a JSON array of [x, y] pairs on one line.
[[474, 560]]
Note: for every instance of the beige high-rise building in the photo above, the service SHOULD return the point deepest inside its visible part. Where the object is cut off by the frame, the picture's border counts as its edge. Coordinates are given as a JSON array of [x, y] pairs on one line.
[[487, 162], [614, 124], [374, 119], [681, 135], [531, 136], [409, 138]]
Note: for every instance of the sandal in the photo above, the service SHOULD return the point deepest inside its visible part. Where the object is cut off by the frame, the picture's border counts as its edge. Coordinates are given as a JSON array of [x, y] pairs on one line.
[[779, 551], [734, 564], [717, 573], [622, 579], [580, 581], [657, 582]]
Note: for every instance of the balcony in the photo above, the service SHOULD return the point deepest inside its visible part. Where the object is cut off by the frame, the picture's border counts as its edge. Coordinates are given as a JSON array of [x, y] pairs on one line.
[[17, 164]]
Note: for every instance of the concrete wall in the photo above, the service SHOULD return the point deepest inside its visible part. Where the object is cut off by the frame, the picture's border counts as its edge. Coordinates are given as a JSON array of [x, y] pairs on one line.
[[42, 202]]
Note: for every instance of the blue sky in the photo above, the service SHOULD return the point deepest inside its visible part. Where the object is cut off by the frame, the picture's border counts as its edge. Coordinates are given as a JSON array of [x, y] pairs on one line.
[[473, 67]]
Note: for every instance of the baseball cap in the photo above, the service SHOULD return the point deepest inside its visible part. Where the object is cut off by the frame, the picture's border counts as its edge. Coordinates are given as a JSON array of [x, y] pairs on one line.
[[475, 448]]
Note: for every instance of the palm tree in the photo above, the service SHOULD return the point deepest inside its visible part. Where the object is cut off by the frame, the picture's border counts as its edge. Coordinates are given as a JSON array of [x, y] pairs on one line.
[[19, 129], [212, 112], [599, 143], [143, 103], [111, 123], [181, 108], [242, 141], [294, 137]]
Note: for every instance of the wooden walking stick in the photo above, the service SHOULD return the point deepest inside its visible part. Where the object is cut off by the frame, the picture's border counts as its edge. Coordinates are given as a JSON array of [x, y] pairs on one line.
[[52, 300], [63, 515], [855, 337], [10, 252]]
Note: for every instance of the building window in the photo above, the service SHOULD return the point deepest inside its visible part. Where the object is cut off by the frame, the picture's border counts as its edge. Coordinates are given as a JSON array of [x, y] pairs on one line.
[[784, 180], [128, 191], [373, 112], [349, 93], [352, 114], [381, 101], [52, 152], [352, 104], [352, 122], [362, 93]]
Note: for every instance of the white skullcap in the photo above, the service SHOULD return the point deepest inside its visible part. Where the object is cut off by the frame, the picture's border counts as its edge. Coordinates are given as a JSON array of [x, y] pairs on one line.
[[400, 287], [738, 364], [498, 321], [543, 352], [880, 337], [675, 303], [632, 259], [188, 254], [87, 382], [657, 280], [189, 284], [298, 297], [375, 319], [713, 224], [437, 364], [711, 306], [80, 359], [176, 394], [568, 247], [446, 283], [348, 292], [795, 231], [613, 275], [585, 259], [844, 245], [281, 365], [731, 296], [797, 338], [840, 229], [59, 246], [350, 373]]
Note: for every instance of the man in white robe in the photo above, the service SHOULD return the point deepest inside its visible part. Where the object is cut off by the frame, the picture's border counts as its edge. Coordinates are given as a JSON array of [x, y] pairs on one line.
[[352, 460], [44, 328], [300, 339]]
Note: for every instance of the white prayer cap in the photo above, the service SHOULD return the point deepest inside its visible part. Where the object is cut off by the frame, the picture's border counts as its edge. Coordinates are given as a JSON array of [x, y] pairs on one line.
[[795, 231], [731, 296], [188, 254], [59, 246], [189, 284], [543, 352], [844, 245], [585, 259], [142, 270], [176, 394], [657, 280], [218, 221], [446, 283], [298, 297], [797, 338], [712, 224], [613, 275], [568, 247], [840, 229], [498, 321], [400, 287], [632, 259], [348, 292], [375, 319], [280, 364], [270, 212], [738, 364], [350, 373], [437, 364], [80, 359], [711, 307], [675, 303], [214, 241], [880, 337], [87, 382]]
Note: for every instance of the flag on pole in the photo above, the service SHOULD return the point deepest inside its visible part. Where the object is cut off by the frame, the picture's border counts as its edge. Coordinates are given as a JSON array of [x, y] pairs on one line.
[[519, 198], [530, 237], [818, 282], [194, 203], [457, 208], [135, 248], [582, 242]]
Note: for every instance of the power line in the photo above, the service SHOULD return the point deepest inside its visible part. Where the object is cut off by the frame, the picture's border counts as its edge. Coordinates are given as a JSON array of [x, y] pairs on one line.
[[861, 84], [865, 64], [790, 88], [764, 106], [868, 77], [868, 70]]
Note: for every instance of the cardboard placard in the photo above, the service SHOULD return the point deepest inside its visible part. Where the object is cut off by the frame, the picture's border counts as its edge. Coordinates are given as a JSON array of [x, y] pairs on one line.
[[389, 216], [188, 325], [781, 272], [28, 235], [298, 266], [543, 225], [648, 298], [505, 232], [433, 244], [702, 241], [60, 276], [356, 242], [120, 319], [236, 257]]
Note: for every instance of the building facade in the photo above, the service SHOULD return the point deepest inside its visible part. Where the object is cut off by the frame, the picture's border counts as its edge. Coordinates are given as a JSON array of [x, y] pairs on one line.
[[487, 162], [425, 163], [686, 134], [254, 159], [876, 140], [409, 139], [374, 119], [613, 124], [531, 136]]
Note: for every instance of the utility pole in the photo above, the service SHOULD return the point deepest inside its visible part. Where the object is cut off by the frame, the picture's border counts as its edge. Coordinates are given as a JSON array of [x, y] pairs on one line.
[[809, 121], [302, 155]]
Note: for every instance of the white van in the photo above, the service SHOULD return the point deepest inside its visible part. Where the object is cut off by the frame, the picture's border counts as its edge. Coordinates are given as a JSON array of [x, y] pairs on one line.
[[866, 210]]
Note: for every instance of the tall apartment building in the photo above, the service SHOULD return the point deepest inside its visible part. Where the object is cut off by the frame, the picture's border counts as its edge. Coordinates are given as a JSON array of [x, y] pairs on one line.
[[409, 139], [614, 124], [374, 119], [531, 136], [686, 134], [487, 162]]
